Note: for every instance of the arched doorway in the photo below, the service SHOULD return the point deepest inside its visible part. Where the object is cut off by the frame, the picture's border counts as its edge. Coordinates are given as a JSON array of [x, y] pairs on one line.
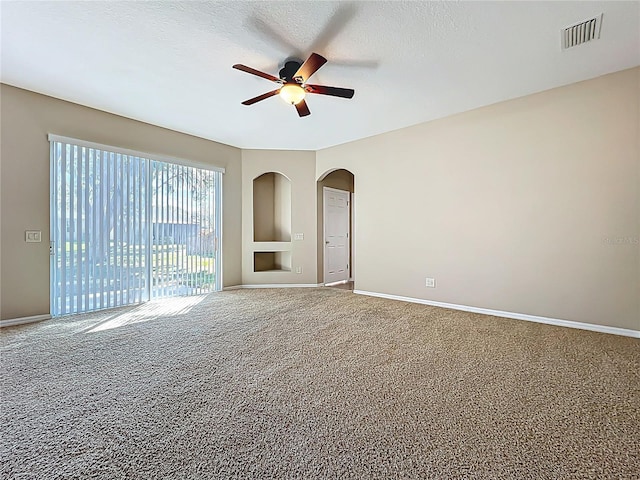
[[335, 190]]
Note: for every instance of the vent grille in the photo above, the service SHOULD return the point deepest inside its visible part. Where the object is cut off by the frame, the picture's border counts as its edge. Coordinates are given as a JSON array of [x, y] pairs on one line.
[[582, 32]]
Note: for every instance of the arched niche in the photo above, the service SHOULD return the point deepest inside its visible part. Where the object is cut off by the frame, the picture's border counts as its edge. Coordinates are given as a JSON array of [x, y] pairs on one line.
[[271, 208]]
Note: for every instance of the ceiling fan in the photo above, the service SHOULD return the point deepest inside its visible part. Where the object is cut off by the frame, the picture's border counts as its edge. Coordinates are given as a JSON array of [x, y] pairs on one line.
[[294, 86]]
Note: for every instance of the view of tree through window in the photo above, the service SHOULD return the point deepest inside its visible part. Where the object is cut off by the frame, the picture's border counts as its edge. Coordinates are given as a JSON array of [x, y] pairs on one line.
[[126, 229]]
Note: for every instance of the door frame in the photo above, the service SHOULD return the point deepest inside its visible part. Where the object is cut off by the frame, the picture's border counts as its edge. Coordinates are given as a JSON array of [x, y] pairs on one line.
[[324, 236], [352, 231]]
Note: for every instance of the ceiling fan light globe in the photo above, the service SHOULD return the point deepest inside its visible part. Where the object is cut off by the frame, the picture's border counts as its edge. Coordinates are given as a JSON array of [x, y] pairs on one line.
[[292, 93]]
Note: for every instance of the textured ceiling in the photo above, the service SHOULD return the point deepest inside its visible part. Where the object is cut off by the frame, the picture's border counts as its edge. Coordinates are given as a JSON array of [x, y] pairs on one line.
[[169, 63]]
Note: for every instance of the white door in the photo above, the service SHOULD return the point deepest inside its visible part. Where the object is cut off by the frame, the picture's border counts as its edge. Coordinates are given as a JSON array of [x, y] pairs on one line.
[[336, 235]]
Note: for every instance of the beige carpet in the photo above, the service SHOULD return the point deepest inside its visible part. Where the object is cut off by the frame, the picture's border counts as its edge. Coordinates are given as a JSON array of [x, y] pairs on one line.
[[315, 383]]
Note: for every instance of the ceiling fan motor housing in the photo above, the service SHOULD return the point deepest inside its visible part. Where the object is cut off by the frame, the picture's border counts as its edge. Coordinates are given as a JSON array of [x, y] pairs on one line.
[[292, 83], [289, 70]]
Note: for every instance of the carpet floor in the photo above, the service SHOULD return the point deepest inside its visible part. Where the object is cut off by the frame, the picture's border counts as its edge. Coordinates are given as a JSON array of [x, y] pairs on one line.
[[314, 383]]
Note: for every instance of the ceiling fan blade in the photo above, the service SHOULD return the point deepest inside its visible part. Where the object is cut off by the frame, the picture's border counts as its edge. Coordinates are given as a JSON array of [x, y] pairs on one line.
[[253, 100], [302, 108], [333, 91], [310, 66], [258, 73]]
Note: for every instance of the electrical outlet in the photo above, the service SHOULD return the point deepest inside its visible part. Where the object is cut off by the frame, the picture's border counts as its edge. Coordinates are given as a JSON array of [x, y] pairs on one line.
[[298, 236], [431, 282], [298, 269], [33, 236]]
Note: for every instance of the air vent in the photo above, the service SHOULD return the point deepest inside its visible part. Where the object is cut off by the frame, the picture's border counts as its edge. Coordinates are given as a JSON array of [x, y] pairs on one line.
[[582, 32]]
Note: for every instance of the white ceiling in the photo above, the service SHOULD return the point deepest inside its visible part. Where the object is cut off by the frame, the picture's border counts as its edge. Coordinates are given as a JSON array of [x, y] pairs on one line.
[[169, 63]]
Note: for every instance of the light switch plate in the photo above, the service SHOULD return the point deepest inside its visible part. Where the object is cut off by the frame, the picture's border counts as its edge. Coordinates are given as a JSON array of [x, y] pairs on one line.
[[33, 236]]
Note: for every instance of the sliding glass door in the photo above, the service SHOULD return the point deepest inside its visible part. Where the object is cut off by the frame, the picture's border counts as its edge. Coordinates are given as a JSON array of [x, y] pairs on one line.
[[184, 238], [126, 228]]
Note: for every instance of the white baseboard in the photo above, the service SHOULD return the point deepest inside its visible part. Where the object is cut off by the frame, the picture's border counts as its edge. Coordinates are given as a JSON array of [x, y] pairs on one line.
[[22, 320], [516, 316], [274, 285], [339, 282]]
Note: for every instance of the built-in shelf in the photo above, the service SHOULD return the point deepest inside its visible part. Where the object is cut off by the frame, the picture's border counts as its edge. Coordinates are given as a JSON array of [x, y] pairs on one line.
[[272, 261], [271, 208], [271, 246]]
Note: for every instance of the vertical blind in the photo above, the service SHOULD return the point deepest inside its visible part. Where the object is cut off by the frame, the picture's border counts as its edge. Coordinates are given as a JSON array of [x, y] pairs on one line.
[[184, 230], [126, 228]]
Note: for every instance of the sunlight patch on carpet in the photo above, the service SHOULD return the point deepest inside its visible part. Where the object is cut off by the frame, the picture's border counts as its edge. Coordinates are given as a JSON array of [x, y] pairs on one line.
[[149, 311]]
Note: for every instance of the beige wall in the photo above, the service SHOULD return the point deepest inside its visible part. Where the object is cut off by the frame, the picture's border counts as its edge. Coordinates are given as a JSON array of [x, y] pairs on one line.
[[299, 168], [26, 119], [528, 206]]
